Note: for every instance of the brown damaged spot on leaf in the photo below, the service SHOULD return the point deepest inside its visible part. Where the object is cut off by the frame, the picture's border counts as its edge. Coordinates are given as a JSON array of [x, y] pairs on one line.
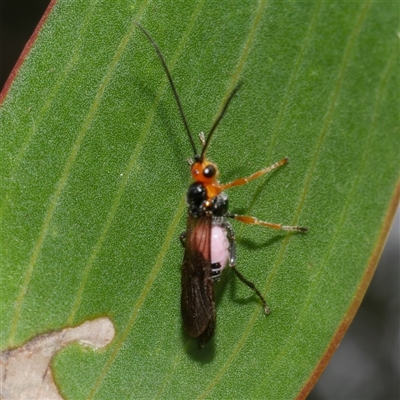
[[25, 372]]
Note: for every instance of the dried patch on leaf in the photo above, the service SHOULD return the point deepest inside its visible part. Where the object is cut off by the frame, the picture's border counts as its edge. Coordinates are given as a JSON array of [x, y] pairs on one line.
[[25, 372]]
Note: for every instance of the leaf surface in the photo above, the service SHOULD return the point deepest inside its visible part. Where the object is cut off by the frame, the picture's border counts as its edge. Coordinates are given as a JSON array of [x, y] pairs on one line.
[[94, 164]]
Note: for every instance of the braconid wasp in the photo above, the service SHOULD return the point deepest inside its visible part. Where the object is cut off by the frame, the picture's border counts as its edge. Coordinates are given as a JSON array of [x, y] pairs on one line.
[[209, 240]]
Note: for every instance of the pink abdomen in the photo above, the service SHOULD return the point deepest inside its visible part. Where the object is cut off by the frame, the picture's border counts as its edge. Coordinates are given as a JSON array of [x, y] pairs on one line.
[[219, 246]]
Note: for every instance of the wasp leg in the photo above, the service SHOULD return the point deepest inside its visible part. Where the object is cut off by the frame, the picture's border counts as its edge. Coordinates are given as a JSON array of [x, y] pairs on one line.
[[261, 172], [182, 238], [232, 264], [252, 286], [254, 221], [232, 243]]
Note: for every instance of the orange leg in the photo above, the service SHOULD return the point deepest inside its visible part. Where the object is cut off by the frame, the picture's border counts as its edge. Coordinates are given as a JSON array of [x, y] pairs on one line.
[[254, 221], [261, 172]]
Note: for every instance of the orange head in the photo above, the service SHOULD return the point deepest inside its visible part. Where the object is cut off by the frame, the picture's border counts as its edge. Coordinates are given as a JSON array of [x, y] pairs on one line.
[[207, 173]]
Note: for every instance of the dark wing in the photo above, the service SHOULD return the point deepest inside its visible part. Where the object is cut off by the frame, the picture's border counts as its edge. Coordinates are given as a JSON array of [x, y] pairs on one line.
[[197, 299]]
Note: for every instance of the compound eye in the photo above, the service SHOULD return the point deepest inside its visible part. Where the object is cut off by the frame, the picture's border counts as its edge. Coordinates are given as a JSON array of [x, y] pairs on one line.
[[209, 171]]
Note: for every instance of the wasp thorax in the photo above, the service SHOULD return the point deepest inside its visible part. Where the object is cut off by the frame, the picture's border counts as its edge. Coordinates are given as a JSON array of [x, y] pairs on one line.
[[220, 205], [196, 197]]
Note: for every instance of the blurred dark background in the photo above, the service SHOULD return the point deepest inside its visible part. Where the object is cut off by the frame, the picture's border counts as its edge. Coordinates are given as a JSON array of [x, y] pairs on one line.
[[18, 19], [366, 364]]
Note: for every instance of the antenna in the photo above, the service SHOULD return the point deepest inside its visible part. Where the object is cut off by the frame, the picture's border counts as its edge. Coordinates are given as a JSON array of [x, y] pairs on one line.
[[218, 119], [164, 64]]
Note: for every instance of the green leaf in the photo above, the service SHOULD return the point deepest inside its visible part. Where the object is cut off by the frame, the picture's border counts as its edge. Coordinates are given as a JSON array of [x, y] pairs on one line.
[[94, 178]]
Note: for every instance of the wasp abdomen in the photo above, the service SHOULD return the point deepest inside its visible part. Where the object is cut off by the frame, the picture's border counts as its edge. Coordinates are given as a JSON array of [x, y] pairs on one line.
[[219, 250]]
